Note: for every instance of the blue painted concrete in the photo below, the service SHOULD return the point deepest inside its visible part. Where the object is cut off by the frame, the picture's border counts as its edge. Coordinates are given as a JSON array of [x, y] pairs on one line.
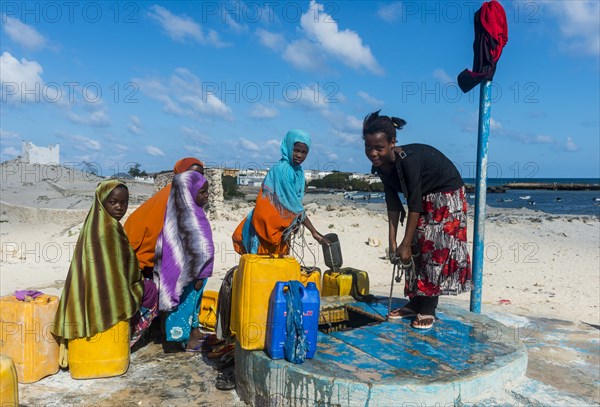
[[462, 357], [485, 108]]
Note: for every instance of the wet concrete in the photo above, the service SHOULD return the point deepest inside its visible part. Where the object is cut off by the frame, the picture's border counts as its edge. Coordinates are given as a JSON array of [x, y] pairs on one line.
[[462, 357], [153, 379], [565, 355]]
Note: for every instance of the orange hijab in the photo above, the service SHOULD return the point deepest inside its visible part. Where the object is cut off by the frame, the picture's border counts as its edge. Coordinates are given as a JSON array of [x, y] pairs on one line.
[[145, 224]]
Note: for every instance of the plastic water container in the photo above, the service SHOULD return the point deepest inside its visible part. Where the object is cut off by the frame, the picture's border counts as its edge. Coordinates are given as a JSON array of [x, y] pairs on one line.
[[332, 253], [103, 355], [276, 325], [9, 390], [25, 336], [252, 286], [208, 309]]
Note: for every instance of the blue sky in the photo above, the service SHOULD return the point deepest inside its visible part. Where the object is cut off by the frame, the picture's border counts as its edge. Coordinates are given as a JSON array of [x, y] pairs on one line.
[[116, 83]]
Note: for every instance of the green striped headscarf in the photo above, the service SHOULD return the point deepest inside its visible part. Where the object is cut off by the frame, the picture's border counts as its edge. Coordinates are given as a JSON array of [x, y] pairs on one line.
[[104, 285]]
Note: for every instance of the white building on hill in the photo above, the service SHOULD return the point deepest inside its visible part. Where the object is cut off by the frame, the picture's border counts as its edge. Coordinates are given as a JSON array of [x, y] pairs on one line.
[[33, 154]]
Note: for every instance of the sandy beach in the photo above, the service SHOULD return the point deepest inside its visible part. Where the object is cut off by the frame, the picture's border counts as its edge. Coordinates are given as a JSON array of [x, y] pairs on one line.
[[537, 265]]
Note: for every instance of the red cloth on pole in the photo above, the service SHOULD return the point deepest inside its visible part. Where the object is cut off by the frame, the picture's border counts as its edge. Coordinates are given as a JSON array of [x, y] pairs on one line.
[[491, 35]]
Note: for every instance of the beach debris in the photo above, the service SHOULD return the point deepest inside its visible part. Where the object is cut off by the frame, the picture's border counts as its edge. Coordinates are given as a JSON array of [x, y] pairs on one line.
[[355, 225], [504, 302], [374, 242]]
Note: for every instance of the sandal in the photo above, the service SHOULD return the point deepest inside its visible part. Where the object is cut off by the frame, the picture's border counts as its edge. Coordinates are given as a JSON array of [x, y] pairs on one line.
[[221, 352], [226, 380], [423, 321], [402, 312]]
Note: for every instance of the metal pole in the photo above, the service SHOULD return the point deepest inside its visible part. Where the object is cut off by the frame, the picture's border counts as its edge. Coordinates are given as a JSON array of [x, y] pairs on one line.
[[480, 193]]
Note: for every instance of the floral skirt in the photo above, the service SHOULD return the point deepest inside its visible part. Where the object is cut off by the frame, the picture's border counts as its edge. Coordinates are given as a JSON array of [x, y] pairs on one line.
[[442, 262]]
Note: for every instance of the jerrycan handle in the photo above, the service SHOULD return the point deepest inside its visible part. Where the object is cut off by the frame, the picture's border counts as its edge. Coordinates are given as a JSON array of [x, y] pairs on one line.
[[283, 286]]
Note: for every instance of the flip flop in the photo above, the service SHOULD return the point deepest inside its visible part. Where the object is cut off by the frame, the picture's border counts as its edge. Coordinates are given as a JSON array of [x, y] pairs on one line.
[[402, 312], [420, 321]]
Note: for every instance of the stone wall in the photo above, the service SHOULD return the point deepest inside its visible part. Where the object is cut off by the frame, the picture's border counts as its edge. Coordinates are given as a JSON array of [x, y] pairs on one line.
[[215, 196], [162, 180], [26, 214]]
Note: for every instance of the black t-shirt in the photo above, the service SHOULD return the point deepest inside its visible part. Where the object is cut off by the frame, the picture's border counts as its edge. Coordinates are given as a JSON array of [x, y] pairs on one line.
[[419, 170]]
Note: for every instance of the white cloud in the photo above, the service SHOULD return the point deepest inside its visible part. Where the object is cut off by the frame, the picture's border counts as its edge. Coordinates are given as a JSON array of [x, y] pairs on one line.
[[234, 24], [346, 45], [120, 148], [570, 145], [347, 138], [10, 152], [442, 76], [8, 135], [183, 94], [154, 151], [305, 55], [495, 124], [263, 112], [390, 12], [17, 76], [370, 100], [311, 97], [182, 28], [194, 149], [208, 105], [276, 42], [542, 139], [578, 23], [81, 143], [23, 34], [195, 135], [135, 125], [98, 117], [248, 145]]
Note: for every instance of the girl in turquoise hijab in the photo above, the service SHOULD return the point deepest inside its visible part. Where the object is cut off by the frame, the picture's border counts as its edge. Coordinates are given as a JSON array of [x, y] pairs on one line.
[[278, 211]]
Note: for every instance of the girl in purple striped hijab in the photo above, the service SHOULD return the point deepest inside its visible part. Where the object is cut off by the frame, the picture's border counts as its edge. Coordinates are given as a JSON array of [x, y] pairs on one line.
[[184, 255]]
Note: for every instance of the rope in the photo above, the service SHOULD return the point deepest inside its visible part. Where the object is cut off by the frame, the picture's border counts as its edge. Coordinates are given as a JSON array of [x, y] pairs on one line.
[[397, 274], [295, 346], [302, 245]]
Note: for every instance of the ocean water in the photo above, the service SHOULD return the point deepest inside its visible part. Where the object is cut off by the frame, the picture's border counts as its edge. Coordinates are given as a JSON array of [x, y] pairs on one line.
[[552, 202]]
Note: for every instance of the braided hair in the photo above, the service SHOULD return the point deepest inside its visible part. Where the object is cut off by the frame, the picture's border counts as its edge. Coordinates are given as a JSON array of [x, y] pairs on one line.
[[374, 123]]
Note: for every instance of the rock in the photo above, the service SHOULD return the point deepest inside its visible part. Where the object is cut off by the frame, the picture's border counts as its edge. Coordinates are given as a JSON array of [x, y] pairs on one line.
[[373, 242]]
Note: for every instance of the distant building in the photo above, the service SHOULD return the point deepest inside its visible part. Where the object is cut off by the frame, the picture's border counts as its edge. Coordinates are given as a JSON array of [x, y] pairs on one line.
[[230, 172], [309, 175], [33, 154]]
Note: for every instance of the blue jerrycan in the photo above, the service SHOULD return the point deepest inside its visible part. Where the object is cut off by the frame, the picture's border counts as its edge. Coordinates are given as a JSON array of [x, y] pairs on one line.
[[276, 334]]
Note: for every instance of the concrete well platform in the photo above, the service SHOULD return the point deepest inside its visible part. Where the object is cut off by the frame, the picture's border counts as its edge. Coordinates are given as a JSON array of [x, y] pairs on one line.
[[463, 358]]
